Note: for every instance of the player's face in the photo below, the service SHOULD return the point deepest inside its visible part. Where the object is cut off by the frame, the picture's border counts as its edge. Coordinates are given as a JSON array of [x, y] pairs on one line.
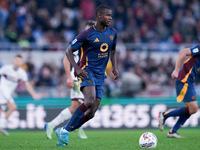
[[18, 62], [106, 17]]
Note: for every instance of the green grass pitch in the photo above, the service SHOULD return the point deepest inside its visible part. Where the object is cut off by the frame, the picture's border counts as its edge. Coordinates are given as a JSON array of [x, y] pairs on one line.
[[100, 140]]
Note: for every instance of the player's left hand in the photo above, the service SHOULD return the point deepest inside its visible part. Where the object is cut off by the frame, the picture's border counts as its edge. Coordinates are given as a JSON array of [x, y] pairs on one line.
[[116, 74]]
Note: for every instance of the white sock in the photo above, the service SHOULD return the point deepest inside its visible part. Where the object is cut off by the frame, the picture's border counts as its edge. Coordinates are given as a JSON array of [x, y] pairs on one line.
[[63, 116], [3, 123]]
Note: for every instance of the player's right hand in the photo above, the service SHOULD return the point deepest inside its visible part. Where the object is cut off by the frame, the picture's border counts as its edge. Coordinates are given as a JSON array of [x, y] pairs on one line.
[[70, 82], [81, 73], [116, 74], [174, 74], [36, 96]]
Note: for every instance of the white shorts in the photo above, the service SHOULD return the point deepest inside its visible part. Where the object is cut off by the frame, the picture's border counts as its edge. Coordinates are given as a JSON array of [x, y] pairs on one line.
[[5, 98], [75, 93]]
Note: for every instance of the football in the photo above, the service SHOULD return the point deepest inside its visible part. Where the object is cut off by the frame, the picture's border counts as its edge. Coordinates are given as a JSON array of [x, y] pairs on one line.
[[148, 140]]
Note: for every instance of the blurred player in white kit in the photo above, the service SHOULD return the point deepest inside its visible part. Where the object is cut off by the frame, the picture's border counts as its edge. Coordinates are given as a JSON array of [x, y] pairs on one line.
[[10, 76]]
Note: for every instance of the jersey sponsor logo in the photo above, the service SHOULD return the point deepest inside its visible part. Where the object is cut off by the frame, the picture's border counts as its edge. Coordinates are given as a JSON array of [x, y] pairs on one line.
[[111, 37], [74, 41], [71, 127], [96, 40], [104, 47], [195, 50]]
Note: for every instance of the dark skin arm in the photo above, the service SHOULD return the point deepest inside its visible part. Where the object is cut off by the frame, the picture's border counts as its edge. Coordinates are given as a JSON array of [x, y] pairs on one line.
[[113, 61], [69, 53]]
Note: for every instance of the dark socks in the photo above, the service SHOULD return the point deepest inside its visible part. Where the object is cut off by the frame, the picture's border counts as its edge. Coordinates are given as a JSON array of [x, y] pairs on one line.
[[183, 111], [179, 124], [76, 119]]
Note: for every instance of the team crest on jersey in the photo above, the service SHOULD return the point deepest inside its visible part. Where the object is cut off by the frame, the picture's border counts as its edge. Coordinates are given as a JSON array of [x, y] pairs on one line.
[[90, 81], [111, 37], [104, 47], [182, 93], [193, 97], [74, 41]]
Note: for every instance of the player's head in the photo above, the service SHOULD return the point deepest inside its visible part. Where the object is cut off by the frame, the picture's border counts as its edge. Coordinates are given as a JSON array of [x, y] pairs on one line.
[[18, 61], [89, 23], [103, 15]]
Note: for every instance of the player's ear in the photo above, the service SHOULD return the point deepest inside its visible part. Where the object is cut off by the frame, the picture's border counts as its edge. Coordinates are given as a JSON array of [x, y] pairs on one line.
[[99, 16]]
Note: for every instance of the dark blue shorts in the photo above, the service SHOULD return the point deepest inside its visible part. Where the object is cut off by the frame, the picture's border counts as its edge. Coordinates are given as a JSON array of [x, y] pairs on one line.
[[92, 80], [185, 91]]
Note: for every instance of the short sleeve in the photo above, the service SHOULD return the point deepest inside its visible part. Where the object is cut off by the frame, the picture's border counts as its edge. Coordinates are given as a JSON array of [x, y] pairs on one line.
[[79, 40], [3, 69], [24, 76], [115, 41], [195, 50]]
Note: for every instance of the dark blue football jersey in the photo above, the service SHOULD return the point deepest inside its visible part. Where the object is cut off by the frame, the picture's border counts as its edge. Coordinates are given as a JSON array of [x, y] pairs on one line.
[[191, 67], [94, 48]]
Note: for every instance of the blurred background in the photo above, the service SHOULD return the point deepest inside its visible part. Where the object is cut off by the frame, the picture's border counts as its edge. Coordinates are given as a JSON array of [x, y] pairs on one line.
[[150, 35]]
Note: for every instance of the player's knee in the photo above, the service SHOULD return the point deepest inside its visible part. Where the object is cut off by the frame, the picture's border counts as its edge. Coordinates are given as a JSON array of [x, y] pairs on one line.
[[72, 110], [13, 107], [196, 109], [193, 109], [90, 102]]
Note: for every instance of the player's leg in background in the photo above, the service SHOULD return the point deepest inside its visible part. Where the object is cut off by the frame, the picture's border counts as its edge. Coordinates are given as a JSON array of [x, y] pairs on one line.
[[163, 116], [3, 121], [192, 108], [63, 116], [182, 95], [183, 111], [11, 107]]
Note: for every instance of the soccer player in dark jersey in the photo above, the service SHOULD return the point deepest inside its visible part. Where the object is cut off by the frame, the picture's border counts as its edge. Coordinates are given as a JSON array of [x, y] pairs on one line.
[[75, 94], [97, 43], [185, 90]]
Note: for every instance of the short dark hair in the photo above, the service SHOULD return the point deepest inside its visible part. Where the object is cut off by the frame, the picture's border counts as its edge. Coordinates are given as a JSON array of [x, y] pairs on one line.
[[18, 55], [100, 9], [90, 23]]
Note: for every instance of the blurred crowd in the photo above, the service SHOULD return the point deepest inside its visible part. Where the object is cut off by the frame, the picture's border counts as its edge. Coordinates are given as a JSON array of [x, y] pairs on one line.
[[44, 22], [139, 76], [49, 24]]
